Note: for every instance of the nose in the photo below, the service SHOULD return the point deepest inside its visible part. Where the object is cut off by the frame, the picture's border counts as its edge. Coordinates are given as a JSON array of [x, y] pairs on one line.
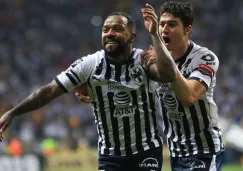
[[165, 29], [110, 33]]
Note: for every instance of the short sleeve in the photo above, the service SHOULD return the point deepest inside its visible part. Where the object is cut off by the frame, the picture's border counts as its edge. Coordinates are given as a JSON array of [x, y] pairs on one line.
[[205, 69], [77, 73]]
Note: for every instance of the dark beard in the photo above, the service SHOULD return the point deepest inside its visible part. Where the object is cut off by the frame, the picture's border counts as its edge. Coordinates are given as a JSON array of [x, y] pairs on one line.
[[117, 52]]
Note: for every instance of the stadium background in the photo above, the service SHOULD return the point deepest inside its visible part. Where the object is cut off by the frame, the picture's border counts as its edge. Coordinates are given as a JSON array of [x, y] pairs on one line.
[[40, 38]]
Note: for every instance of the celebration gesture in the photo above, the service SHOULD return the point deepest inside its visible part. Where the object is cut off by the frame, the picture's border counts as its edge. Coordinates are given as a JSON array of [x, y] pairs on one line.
[[150, 19]]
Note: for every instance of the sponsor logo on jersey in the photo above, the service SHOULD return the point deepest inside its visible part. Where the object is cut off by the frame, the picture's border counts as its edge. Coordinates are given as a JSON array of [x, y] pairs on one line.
[[198, 164], [170, 100], [149, 163], [209, 59], [122, 100], [113, 85], [175, 116]]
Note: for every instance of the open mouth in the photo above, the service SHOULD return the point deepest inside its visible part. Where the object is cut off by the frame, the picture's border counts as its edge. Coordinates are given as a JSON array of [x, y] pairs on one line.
[[166, 39]]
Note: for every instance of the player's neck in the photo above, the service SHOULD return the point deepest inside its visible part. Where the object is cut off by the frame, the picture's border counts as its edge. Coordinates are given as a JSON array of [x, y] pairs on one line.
[[122, 58], [180, 51]]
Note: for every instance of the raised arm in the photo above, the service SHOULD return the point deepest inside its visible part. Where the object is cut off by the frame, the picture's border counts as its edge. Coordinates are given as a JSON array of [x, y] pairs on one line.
[[34, 101], [165, 64]]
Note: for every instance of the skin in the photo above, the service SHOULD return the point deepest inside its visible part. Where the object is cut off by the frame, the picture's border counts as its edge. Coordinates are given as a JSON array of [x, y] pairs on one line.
[[117, 39]]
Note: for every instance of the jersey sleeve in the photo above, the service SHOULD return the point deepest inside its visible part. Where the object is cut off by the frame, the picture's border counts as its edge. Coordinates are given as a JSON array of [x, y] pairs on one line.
[[205, 69], [77, 73]]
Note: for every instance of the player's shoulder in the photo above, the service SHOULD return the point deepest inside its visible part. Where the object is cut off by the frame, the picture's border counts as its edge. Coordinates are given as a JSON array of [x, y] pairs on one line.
[[200, 53], [94, 56], [92, 59], [136, 54]]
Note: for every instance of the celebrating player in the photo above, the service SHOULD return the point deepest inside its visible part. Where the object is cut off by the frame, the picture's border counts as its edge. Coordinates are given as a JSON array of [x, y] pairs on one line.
[[190, 118]]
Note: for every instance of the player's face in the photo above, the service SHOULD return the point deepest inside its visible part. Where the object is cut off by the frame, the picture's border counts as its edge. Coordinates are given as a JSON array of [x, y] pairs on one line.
[[172, 31], [115, 35]]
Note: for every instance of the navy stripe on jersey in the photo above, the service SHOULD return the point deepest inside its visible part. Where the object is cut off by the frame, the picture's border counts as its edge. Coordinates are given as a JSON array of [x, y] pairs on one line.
[[103, 119], [195, 122], [206, 123], [60, 85], [165, 118], [137, 122], [127, 77], [75, 75], [75, 83], [145, 108], [152, 107], [186, 129], [99, 67], [199, 80], [114, 124], [179, 134], [108, 70], [127, 136]]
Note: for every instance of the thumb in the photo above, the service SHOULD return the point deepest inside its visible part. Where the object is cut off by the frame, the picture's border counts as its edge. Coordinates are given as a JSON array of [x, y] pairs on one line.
[[151, 47]]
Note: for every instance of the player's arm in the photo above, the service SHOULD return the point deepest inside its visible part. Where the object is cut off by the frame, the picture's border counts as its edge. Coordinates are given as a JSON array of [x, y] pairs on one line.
[[36, 100], [188, 91], [165, 71]]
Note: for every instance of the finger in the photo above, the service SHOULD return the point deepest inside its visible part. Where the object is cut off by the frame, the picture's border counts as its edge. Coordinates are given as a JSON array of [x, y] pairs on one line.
[[149, 6], [148, 11], [144, 53], [149, 63], [143, 56], [77, 93], [151, 47], [84, 99], [3, 128], [147, 16], [1, 137]]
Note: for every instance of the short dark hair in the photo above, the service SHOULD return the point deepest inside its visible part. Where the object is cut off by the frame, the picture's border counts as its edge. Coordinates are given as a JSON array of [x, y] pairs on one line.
[[182, 10], [130, 21]]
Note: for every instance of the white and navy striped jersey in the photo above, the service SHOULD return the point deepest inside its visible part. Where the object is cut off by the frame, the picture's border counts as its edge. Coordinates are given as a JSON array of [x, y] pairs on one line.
[[123, 101], [195, 129]]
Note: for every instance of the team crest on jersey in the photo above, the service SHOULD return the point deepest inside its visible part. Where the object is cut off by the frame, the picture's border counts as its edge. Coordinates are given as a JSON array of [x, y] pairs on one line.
[[122, 101], [136, 75]]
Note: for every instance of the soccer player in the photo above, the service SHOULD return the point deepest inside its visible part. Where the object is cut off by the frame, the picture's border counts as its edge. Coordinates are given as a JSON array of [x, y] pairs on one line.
[[121, 95], [190, 118]]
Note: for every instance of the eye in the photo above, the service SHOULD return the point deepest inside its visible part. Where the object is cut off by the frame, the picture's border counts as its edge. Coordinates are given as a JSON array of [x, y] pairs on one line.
[[172, 24], [105, 29], [162, 24]]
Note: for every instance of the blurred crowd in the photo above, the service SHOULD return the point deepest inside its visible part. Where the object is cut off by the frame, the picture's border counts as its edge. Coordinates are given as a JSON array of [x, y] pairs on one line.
[[40, 38]]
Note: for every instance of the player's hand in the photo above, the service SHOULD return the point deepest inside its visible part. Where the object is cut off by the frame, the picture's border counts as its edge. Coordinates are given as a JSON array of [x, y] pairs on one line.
[[5, 121], [148, 57], [150, 19], [82, 94]]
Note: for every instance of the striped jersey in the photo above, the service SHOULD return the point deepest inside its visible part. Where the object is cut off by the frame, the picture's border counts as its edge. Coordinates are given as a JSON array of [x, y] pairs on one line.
[[123, 102], [195, 129]]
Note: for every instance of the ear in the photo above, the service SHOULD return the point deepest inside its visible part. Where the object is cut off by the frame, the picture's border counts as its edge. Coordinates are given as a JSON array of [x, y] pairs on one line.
[[188, 29], [132, 37]]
